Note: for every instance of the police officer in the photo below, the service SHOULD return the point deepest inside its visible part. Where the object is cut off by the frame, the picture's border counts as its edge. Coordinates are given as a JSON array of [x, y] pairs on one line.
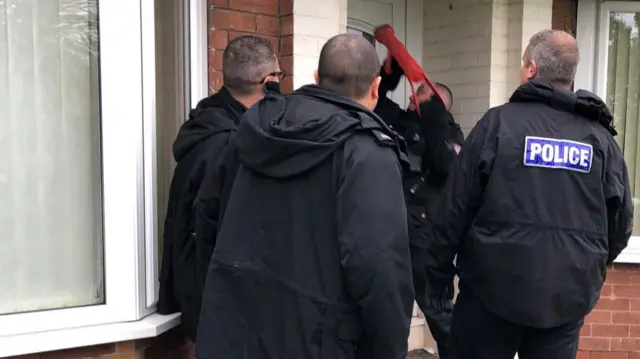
[[432, 141], [536, 207]]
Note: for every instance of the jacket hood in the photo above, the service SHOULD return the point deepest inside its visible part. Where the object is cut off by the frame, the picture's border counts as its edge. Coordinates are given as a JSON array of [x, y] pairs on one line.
[[283, 136], [583, 103], [214, 114]]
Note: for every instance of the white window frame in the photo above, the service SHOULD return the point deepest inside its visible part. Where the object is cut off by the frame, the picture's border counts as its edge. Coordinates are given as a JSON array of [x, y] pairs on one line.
[[128, 135], [198, 50], [593, 35]]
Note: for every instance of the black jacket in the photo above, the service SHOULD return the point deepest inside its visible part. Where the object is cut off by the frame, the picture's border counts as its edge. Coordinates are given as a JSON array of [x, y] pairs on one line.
[[430, 138], [203, 136], [312, 256], [537, 205]]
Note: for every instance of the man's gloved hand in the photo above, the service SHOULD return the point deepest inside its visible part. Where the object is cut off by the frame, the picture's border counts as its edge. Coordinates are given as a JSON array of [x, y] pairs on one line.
[[391, 73], [439, 295], [395, 66]]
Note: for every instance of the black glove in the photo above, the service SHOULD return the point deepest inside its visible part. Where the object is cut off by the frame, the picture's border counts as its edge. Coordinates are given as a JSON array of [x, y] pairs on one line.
[[395, 67], [439, 296], [390, 81]]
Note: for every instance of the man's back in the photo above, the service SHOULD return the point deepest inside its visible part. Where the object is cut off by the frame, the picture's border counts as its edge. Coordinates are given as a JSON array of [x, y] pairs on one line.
[[537, 249], [291, 276], [203, 137]]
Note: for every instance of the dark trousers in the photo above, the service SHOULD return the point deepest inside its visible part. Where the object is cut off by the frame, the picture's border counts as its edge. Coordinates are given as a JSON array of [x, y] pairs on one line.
[[477, 333], [439, 322]]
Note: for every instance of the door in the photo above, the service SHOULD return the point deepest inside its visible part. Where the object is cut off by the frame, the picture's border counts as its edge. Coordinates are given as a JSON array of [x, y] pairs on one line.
[[363, 16]]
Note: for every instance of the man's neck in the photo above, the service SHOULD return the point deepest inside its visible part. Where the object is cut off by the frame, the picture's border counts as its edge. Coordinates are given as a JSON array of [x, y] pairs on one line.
[[248, 100]]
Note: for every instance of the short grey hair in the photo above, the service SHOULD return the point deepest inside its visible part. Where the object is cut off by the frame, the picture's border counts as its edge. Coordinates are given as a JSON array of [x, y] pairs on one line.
[[555, 56], [246, 61]]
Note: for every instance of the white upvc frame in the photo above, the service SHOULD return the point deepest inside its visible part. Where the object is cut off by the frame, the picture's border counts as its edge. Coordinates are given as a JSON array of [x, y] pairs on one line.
[[593, 35], [198, 48], [127, 126]]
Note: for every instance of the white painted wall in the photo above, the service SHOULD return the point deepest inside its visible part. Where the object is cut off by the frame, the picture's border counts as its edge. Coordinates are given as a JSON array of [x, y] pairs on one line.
[[475, 48], [314, 22]]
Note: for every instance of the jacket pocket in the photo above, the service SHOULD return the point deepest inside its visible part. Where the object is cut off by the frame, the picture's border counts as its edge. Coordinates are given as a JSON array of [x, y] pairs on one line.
[[341, 334]]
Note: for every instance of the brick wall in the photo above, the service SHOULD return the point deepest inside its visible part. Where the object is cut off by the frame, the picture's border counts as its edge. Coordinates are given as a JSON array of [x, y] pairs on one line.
[[612, 330], [229, 19], [170, 345]]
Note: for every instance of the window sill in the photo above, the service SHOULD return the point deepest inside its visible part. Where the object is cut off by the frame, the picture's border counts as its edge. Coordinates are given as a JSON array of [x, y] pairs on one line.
[[151, 326], [631, 254]]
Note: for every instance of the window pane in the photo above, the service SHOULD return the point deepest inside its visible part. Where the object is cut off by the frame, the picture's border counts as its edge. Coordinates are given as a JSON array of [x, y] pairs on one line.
[[369, 37], [623, 93], [51, 251]]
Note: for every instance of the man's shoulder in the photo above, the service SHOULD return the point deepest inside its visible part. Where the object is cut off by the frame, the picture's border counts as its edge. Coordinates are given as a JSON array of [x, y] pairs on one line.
[[371, 145]]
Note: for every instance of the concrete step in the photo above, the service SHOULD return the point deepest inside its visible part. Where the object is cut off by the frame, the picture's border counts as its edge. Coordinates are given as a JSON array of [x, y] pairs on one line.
[[421, 354]]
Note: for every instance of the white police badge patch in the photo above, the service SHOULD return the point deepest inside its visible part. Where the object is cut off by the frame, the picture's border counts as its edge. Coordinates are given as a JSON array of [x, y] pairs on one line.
[[561, 154]]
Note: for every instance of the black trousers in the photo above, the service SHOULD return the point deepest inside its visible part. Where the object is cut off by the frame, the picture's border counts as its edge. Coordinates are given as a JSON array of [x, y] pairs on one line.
[[439, 322], [477, 333]]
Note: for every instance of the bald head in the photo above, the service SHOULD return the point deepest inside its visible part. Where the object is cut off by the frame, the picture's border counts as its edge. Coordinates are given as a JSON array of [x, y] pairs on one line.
[[348, 66], [553, 56]]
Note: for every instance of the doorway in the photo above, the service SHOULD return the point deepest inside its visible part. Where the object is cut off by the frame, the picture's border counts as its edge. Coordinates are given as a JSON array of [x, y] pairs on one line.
[[405, 16]]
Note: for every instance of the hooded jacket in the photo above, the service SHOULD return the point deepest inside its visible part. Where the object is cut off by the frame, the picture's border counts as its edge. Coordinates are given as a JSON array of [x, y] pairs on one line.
[[537, 205], [201, 138], [430, 140], [312, 256]]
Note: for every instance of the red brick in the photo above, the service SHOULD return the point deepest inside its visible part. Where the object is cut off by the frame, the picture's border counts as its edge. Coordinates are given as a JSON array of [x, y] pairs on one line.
[[615, 277], [634, 355], [609, 355], [84, 352], [215, 81], [620, 344], [626, 318], [610, 331], [233, 20], [218, 39], [286, 7], [28, 356], [219, 3], [268, 25], [635, 304], [286, 45], [585, 331], [613, 304], [215, 59], [626, 267], [583, 354], [594, 344], [599, 316], [606, 290], [286, 25], [286, 64], [635, 331], [286, 85], [626, 291], [127, 347], [269, 7]]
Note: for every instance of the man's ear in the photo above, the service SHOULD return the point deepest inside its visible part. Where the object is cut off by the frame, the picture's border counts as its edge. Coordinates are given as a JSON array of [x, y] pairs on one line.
[[316, 77], [375, 85], [532, 70]]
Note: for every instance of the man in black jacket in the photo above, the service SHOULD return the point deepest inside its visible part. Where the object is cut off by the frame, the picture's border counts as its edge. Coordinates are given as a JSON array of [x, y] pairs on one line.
[[536, 207], [248, 62], [312, 256], [433, 139]]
